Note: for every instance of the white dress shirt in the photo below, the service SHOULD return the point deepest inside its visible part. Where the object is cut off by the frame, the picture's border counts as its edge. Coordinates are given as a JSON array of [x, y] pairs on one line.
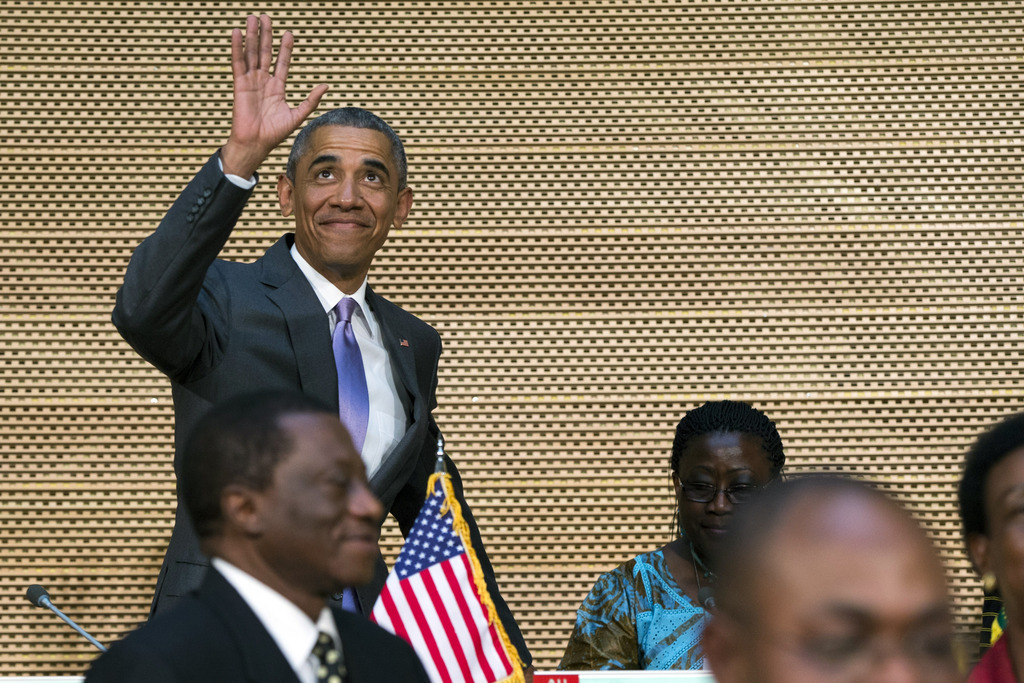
[[291, 628], [388, 421]]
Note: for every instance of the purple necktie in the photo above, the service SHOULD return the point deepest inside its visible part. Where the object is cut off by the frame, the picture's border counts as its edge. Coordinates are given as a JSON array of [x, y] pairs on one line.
[[353, 397]]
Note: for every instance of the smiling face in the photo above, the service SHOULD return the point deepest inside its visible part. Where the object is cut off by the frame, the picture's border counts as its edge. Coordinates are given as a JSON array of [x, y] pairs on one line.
[[725, 460], [345, 199], [315, 528]]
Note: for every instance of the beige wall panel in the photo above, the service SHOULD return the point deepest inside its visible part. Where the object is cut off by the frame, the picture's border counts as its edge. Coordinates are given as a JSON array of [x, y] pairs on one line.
[[621, 211]]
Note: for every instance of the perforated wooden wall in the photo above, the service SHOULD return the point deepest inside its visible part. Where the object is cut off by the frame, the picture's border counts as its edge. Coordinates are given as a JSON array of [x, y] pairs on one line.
[[622, 210]]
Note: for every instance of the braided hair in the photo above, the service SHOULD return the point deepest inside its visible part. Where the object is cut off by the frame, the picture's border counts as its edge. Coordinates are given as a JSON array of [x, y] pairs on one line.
[[731, 417]]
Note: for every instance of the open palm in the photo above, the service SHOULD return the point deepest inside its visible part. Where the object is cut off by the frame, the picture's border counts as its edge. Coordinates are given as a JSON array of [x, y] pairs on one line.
[[261, 117]]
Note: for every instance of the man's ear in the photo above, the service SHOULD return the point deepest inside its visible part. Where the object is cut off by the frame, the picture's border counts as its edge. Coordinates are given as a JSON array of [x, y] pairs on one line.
[[676, 484], [285, 195], [404, 205], [242, 508], [978, 551]]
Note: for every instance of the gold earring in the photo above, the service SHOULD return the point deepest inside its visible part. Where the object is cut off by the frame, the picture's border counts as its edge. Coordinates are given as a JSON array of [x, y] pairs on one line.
[[988, 582]]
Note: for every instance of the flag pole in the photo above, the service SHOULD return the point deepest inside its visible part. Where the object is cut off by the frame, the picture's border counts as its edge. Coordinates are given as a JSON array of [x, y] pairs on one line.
[[439, 467]]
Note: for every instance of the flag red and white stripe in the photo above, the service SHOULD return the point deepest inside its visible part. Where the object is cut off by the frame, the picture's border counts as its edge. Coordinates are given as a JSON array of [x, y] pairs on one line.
[[436, 600]]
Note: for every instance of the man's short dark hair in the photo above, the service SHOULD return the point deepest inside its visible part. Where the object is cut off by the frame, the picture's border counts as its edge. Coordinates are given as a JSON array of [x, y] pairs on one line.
[[350, 117], [988, 451], [240, 441]]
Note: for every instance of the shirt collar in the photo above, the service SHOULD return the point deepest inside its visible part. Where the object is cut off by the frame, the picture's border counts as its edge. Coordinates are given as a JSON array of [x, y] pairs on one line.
[[293, 631], [326, 292]]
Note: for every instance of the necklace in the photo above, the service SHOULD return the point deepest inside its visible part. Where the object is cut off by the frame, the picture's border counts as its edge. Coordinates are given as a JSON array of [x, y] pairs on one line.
[[708, 574]]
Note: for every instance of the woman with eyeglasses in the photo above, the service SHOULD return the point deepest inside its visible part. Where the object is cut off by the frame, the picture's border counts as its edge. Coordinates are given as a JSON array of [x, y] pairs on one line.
[[649, 612]]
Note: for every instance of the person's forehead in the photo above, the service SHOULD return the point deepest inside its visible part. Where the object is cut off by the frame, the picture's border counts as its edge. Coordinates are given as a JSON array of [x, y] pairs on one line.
[[854, 554], [348, 143], [1005, 478], [728, 440], [734, 450]]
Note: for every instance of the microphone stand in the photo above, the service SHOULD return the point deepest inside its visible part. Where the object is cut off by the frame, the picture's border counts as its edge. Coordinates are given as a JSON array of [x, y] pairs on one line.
[[38, 596]]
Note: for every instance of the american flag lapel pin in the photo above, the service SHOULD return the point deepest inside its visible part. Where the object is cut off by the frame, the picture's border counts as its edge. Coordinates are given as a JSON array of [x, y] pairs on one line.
[[403, 342]]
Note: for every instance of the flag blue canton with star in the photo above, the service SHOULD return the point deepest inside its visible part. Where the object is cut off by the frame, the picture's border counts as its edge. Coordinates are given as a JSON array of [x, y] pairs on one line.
[[432, 540]]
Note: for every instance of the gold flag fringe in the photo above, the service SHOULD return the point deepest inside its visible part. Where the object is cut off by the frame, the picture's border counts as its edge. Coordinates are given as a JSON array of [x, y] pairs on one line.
[[462, 529]]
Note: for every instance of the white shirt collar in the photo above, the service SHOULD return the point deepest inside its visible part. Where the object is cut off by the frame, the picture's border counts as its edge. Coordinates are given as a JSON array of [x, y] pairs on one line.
[[328, 294], [290, 627]]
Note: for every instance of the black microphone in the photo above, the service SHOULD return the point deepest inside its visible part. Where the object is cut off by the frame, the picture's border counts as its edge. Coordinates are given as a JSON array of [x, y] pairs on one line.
[[706, 597], [38, 596]]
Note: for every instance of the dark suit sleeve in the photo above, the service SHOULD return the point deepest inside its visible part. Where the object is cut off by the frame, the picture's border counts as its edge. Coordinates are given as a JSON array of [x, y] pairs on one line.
[[162, 309], [410, 499], [128, 662]]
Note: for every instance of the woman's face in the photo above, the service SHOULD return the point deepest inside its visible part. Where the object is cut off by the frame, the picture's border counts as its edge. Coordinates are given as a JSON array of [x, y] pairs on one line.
[[727, 460], [1001, 550]]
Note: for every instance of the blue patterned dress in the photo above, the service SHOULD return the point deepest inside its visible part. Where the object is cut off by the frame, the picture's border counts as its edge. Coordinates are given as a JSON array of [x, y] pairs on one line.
[[636, 617]]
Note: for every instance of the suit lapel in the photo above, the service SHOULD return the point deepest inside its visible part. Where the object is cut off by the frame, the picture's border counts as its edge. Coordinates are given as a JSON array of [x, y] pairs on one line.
[[398, 341], [263, 660], [308, 331], [398, 345]]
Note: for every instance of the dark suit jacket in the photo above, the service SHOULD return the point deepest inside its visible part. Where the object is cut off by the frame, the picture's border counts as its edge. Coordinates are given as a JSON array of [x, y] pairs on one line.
[[218, 328], [213, 635]]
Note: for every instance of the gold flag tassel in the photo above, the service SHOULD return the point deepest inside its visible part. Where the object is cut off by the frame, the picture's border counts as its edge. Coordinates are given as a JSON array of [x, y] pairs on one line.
[[462, 529]]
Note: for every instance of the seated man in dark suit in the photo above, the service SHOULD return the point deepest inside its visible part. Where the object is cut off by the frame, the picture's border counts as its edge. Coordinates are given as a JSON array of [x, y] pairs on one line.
[[280, 502]]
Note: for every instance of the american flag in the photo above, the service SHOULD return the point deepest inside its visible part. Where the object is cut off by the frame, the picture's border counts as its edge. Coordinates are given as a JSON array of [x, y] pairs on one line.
[[436, 600]]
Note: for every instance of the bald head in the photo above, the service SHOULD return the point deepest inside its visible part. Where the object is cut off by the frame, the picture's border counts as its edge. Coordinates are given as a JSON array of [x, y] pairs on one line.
[[827, 579]]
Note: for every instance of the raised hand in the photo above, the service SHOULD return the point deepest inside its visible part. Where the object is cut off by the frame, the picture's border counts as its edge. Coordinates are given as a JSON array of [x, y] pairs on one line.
[[261, 118]]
